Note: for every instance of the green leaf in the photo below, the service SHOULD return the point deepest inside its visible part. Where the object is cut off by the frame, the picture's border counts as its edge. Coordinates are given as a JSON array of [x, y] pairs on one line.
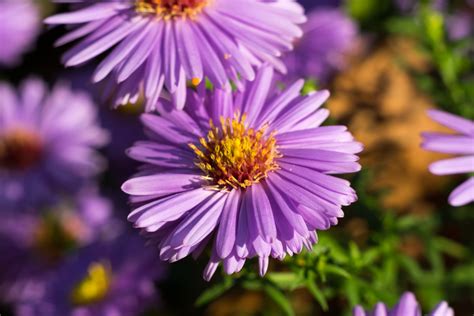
[[314, 290], [352, 291], [214, 292], [285, 280], [412, 267], [450, 247], [279, 298], [333, 269]]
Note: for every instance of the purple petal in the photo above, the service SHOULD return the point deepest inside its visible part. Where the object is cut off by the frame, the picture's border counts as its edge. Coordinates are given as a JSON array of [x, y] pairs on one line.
[[463, 194], [453, 166]]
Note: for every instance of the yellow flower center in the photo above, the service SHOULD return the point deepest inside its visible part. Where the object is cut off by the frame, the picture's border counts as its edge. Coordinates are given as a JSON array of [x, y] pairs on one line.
[[19, 149], [95, 285], [233, 156], [171, 9]]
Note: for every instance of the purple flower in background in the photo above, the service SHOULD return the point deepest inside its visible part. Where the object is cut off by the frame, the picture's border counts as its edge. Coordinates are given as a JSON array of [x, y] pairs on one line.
[[328, 35], [112, 278], [251, 171], [152, 44], [34, 243], [461, 143], [407, 306], [460, 24], [47, 143], [408, 5], [19, 28]]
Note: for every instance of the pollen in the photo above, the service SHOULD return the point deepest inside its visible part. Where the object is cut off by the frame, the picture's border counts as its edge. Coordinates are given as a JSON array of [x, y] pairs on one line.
[[171, 9], [232, 156], [20, 149], [94, 287], [195, 81]]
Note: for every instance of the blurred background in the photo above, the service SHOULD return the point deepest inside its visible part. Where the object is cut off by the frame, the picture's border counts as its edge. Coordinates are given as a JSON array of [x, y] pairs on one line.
[[386, 62]]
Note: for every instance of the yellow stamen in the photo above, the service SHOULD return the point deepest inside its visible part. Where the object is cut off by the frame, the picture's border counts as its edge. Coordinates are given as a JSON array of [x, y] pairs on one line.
[[195, 81], [94, 287], [234, 156], [171, 9]]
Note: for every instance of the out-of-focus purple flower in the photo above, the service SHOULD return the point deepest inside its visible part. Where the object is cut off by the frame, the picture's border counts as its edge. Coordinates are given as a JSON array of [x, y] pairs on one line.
[[408, 5], [20, 25], [34, 243], [460, 24], [47, 143], [154, 44], [251, 171], [111, 278], [407, 306], [461, 143], [328, 35]]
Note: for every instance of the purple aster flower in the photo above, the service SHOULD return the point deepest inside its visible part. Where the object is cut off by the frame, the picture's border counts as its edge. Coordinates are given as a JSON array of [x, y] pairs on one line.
[[328, 35], [19, 29], [461, 143], [153, 44], [408, 5], [407, 306], [251, 171], [460, 24], [34, 243], [113, 278], [47, 143]]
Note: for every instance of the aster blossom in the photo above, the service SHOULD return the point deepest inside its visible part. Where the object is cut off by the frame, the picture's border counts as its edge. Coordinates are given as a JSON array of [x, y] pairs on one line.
[[152, 44], [460, 143], [47, 143], [35, 243], [407, 306], [248, 171], [20, 27], [107, 278], [328, 35]]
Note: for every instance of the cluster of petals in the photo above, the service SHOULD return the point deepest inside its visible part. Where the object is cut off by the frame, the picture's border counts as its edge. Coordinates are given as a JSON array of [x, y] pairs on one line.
[[459, 143], [146, 52], [48, 142], [279, 215], [20, 26], [407, 306]]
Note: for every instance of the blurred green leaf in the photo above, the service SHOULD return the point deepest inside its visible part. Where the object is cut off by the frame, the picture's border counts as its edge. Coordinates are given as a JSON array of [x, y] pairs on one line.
[[279, 298], [285, 280], [450, 247], [314, 290], [333, 269], [214, 292]]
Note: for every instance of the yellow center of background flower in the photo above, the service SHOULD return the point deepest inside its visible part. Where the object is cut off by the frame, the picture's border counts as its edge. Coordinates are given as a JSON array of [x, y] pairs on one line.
[[171, 9], [235, 157], [95, 285], [19, 149]]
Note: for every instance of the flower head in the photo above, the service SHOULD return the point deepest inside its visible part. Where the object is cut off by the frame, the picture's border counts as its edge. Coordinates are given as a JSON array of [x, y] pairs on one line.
[[109, 278], [407, 306], [47, 143], [249, 171], [35, 243], [153, 44], [20, 27], [461, 143], [328, 35]]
